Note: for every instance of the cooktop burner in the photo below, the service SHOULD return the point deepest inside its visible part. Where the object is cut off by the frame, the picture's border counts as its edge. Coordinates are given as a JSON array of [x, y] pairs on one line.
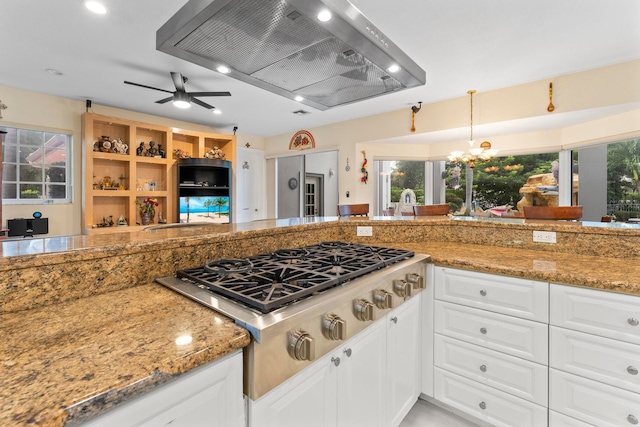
[[270, 281]]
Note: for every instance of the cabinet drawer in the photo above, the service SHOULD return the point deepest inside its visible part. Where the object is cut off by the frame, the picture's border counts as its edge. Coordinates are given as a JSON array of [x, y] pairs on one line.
[[601, 313], [510, 374], [591, 401], [609, 361], [557, 419], [518, 337], [507, 295], [486, 403]]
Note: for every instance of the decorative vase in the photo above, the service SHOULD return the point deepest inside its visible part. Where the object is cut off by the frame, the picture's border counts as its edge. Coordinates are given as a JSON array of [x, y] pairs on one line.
[[146, 217]]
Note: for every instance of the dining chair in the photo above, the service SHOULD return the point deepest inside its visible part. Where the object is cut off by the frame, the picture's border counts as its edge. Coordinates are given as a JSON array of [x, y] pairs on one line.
[[553, 212], [431, 210], [361, 209], [387, 212]]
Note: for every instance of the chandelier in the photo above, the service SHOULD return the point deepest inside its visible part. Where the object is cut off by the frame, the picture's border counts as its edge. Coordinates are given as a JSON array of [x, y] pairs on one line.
[[478, 154]]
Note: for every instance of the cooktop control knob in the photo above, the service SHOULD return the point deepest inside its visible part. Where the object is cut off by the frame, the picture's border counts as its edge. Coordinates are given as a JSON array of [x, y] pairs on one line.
[[301, 345], [416, 280], [402, 288], [383, 299], [363, 310], [333, 327]]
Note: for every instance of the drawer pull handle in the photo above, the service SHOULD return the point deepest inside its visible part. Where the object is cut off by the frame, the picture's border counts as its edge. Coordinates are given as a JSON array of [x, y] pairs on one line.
[[483, 293], [483, 368], [632, 370], [484, 406], [483, 330], [632, 321], [632, 420]]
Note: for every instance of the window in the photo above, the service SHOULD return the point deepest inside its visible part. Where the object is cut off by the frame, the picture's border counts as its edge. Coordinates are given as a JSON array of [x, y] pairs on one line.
[[35, 167]]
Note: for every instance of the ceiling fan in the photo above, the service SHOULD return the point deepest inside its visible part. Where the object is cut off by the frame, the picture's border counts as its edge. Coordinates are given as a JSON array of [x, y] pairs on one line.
[[181, 98]]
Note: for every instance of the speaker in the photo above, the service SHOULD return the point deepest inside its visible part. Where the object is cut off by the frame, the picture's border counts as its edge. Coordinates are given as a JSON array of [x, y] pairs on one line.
[[28, 227]]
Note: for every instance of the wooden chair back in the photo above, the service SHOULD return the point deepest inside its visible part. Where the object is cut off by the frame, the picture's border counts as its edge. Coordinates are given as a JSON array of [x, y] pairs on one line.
[[430, 210], [406, 213], [387, 212], [553, 212], [361, 209]]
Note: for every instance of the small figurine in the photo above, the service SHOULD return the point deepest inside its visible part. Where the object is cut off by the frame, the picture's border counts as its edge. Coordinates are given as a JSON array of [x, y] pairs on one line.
[[122, 222], [140, 149], [161, 151], [152, 151]]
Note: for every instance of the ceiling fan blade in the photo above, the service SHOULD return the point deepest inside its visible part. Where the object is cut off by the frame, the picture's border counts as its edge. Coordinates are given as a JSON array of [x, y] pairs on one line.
[[209, 93], [178, 81], [146, 87], [162, 101], [202, 104]]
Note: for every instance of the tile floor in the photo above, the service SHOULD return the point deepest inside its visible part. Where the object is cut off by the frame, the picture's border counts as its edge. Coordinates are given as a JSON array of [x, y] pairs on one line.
[[425, 414]]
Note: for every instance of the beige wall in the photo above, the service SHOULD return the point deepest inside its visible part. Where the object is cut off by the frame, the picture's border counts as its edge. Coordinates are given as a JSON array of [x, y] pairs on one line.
[[588, 93], [39, 111]]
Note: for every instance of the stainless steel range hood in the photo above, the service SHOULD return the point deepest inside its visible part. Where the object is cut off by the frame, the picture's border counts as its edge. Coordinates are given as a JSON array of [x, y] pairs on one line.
[[282, 47]]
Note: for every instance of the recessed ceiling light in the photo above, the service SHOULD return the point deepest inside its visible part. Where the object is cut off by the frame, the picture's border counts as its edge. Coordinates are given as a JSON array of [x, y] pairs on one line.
[[324, 16], [96, 7], [299, 98], [53, 72], [216, 111], [393, 68], [222, 69]]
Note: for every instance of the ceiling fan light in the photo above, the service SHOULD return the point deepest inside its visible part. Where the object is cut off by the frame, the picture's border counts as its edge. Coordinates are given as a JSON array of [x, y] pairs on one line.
[[182, 104], [181, 100]]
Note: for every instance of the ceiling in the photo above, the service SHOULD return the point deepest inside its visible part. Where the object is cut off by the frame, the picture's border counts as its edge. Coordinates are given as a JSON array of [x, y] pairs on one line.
[[461, 44]]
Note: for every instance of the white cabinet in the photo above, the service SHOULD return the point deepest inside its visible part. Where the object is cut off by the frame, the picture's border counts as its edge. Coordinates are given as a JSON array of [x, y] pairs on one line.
[[512, 375], [491, 346], [607, 314], [207, 396], [486, 403], [361, 379], [403, 360], [511, 335], [371, 380], [522, 298], [591, 401], [595, 356]]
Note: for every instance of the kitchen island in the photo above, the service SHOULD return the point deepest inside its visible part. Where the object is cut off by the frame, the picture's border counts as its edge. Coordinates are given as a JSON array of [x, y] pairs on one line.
[[85, 327]]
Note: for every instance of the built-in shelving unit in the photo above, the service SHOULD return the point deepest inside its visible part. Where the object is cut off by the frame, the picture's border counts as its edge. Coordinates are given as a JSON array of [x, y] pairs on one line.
[[115, 180]]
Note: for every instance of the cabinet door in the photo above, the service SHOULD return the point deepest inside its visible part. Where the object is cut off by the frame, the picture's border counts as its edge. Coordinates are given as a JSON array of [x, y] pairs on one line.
[[207, 396], [510, 374], [490, 405], [362, 379], [250, 185], [518, 337], [607, 314], [308, 399], [527, 299], [557, 419], [609, 361], [403, 360], [592, 402]]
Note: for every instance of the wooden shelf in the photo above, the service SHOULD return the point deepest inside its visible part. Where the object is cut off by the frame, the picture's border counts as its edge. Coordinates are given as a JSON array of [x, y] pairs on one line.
[[136, 173]]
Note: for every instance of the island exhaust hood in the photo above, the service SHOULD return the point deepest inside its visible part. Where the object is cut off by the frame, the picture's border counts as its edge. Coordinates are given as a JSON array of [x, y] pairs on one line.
[[282, 47]]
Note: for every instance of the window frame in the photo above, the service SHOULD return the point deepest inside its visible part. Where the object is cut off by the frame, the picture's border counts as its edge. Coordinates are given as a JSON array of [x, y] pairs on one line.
[[68, 169]]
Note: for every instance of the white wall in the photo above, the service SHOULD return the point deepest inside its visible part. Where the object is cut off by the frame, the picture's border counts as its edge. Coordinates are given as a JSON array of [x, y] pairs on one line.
[[610, 89]]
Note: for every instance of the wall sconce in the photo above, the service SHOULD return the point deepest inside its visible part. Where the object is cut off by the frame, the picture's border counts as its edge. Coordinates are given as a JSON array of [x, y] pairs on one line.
[[414, 111], [245, 165], [3, 106]]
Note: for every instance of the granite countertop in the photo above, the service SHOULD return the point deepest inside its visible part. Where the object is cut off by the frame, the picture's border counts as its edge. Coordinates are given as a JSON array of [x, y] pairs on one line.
[[612, 274], [64, 362]]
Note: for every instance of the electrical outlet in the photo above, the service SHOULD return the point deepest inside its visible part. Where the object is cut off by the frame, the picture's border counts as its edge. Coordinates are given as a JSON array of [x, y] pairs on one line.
[[364, 231], [544, 236]]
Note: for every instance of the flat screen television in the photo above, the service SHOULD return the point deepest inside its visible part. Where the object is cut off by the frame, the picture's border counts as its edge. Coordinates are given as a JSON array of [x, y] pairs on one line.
[[214, 209]]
